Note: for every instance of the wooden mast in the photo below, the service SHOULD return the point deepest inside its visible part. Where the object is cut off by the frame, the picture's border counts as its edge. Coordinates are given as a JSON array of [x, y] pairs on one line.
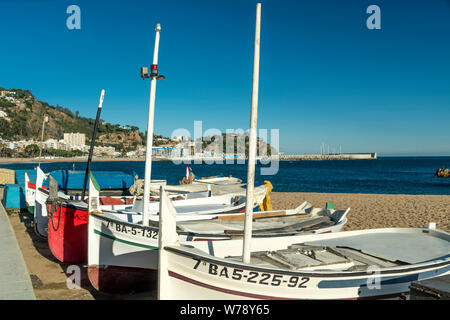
[[151, 114], [91, 149]]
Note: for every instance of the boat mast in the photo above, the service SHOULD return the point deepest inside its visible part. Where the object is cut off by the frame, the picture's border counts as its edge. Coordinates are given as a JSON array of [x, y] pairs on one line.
[[151, 114], [252, 143], [91, 149]]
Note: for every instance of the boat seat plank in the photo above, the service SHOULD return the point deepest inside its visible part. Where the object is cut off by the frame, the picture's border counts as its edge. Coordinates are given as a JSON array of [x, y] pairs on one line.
[[328, 257], [363, 258], [256, 215], [406, 247], [310, 223]]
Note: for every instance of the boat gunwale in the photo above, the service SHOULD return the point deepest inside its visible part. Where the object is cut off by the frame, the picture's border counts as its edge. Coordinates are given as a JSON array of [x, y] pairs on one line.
[[240, 265], [187, 250], [199, 234]]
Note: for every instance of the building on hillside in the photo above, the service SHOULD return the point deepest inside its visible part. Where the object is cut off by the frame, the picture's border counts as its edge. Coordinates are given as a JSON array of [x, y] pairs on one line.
[[11, 145], [25, 143], [181, 138], [63, 145], [3, 93], [51, 144], [75, 139], [104, 151], [83, 148], [3, 114]]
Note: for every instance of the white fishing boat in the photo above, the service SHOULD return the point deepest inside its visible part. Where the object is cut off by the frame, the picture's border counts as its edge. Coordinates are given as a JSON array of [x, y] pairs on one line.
[[363, 264], [30, 193], [185, 202], [220, 180], [123, 254]]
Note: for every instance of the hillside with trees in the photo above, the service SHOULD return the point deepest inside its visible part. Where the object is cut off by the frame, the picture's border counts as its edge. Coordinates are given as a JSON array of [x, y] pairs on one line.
[[25, 114]]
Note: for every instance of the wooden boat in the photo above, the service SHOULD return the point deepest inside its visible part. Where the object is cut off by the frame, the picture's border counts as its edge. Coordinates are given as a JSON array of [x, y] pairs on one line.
[[190, 178], [363, 264], [70, 182], [41, 216], [123, 255], [67, 222], [218, 180], [38, 195], [30, 192]]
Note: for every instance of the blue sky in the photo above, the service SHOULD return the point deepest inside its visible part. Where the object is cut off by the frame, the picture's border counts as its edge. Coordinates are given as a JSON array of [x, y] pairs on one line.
[[324, 76]]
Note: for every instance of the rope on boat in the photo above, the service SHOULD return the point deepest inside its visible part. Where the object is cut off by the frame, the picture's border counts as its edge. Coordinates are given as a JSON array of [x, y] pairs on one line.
[[55, 204]]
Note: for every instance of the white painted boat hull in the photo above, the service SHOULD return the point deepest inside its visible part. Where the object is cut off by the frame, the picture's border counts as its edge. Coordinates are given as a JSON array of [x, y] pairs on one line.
[[210, 281], [117, 246], [192, 274]]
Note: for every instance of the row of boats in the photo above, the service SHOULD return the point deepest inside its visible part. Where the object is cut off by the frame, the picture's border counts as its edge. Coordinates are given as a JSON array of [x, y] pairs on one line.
[[296, 253], [215, 243], [121, 251]]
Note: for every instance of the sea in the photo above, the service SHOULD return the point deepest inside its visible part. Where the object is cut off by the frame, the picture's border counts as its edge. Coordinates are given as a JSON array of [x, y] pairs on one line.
[[386, 175]]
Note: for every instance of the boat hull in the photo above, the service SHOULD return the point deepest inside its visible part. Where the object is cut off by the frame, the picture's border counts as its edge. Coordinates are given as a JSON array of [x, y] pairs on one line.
[[113, 279], [117, 246], [67, 233], [192, 274], [67, 230], [212, 280]]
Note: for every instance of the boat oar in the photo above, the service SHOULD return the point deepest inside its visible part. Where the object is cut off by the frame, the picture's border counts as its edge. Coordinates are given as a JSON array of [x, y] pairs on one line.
[[91, 150]]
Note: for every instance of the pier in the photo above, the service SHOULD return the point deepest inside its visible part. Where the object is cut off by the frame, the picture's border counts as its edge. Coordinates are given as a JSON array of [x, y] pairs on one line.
[[340, 156]]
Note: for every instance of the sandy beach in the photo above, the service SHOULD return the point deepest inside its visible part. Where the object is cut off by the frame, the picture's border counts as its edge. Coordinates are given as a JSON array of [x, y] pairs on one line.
[[377, 210], [367, 211]]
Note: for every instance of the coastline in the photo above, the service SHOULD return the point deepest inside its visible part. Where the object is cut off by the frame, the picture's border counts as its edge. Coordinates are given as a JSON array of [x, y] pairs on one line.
[[32, 160]]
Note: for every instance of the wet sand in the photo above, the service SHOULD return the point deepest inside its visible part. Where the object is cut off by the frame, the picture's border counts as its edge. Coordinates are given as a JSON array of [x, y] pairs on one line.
[[367, 211]]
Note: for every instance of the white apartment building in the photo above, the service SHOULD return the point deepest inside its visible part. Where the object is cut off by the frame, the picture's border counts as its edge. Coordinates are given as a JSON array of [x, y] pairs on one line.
[[51, 144], [63, 145]]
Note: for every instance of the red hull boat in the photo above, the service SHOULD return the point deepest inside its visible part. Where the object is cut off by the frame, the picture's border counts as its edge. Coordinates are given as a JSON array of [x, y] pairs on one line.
[[67, 228], [67, 233]]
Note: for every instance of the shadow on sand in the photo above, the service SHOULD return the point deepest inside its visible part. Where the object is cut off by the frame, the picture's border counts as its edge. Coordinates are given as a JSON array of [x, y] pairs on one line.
[[42, 247]]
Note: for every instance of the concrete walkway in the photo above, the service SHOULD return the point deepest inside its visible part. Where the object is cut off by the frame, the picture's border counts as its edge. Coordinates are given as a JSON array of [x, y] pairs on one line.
[[15, 283]]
